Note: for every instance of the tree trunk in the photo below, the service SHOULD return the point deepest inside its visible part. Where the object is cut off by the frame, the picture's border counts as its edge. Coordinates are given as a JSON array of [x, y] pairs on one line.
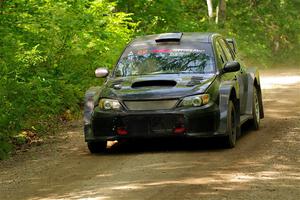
[[1, 4], [253, 3], [210, 10], [221, 12]]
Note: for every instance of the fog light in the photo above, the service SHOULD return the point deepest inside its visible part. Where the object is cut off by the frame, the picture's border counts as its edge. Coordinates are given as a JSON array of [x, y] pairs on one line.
[[122, 131], [179, 130]]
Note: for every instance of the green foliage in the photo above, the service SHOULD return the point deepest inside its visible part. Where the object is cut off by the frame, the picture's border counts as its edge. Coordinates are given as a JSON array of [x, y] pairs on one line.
[[165, 16], [49, 50], [266, 31], [5, 146]]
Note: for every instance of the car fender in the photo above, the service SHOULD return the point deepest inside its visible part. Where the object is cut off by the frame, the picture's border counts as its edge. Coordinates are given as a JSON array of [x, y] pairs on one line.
[[253, 74], [90, 100], [224, 98]]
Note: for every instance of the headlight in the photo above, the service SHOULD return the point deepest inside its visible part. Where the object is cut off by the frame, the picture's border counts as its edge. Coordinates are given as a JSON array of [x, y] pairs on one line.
[[109, 104], [195, 101]]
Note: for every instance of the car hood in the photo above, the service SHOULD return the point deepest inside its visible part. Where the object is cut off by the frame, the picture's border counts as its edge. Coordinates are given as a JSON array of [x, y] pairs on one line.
[[167, 86]]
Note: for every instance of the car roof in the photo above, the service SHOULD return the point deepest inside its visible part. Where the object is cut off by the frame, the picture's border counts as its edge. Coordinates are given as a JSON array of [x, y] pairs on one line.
[[186, 37]]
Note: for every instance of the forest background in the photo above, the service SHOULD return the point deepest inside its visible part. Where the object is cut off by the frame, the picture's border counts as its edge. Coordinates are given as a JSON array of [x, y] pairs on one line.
[[50, 48]]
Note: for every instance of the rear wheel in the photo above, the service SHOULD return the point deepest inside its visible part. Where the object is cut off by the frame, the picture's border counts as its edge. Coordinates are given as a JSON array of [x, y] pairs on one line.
[[97, 147], [230, 139], [255, 110]]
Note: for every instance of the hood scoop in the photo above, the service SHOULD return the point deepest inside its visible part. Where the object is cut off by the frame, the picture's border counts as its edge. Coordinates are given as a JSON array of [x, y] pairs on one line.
[[154, 83], [195, 80]]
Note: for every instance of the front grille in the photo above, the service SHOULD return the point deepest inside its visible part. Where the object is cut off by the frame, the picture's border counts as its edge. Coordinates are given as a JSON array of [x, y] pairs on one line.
[[151, 105], [143, 125]]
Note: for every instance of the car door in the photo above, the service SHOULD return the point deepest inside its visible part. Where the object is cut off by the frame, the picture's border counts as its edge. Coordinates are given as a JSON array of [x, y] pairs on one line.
[[240, 75]]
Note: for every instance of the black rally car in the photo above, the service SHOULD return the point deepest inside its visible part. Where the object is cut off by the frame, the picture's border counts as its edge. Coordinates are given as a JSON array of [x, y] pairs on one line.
[[173, 85]]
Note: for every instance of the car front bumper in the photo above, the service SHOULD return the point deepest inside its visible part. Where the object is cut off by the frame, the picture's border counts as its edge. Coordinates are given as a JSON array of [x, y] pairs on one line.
[[195, 121]]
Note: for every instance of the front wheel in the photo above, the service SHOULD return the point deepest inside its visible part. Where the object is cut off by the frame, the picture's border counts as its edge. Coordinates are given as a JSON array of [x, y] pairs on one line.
[[255, 110], [230, 139], [97, 147]]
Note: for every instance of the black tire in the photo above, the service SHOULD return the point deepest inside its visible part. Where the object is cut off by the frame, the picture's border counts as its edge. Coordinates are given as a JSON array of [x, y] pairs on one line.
[[230, 139], [97, 147], [255, 110]]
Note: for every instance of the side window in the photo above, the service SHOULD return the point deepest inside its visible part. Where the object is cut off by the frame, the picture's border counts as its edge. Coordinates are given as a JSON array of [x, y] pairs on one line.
[[220, 53], [226, 49]]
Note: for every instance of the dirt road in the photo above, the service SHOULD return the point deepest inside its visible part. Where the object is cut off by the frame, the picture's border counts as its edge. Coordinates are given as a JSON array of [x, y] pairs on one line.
[[264, 165]]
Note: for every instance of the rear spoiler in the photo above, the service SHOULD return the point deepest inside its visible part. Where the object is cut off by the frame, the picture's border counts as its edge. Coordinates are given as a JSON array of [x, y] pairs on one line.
[[232, 44]]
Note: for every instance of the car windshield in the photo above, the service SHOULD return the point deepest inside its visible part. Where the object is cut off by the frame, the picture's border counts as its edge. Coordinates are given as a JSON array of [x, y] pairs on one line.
[[166, 59]]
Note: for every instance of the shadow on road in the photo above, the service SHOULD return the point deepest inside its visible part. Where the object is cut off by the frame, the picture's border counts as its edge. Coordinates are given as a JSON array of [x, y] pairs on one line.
[[172, 145], [163, 145]]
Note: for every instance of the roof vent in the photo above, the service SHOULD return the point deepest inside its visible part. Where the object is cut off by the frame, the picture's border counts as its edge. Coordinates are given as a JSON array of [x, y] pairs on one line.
[[169, 37]]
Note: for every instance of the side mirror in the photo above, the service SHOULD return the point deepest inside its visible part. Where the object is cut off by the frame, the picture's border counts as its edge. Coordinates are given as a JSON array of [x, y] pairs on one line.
[[101, 72], [232, 66], [232, 44]]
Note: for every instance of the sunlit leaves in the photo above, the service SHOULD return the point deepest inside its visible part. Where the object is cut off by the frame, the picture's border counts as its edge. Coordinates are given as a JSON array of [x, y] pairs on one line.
[[49, 50], [264, 30]]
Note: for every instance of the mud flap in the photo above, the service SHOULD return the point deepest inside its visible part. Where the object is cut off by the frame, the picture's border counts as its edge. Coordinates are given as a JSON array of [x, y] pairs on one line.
[[225, 91], [252, 75]]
